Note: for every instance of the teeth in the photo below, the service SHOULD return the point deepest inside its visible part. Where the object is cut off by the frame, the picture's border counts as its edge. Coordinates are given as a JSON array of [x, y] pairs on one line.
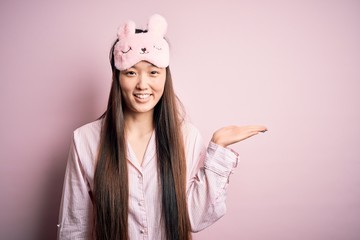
[[142, 96]]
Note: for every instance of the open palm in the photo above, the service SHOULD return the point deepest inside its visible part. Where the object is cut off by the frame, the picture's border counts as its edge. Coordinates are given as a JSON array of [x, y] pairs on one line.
[[232, 134]]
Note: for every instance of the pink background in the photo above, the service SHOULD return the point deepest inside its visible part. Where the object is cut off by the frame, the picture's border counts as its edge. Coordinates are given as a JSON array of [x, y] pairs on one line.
[[291, 65]]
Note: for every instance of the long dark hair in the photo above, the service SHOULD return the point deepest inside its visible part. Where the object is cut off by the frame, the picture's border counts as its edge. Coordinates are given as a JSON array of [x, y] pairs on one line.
[[111, 187]]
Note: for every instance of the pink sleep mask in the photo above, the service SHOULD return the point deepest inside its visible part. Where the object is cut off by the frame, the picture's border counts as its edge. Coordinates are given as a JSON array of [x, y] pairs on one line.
[[148, 46]]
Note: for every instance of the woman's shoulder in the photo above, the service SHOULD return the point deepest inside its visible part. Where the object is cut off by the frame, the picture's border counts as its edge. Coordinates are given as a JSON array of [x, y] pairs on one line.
[[190, 131], [89, 132], [86, 141], [188, 128]]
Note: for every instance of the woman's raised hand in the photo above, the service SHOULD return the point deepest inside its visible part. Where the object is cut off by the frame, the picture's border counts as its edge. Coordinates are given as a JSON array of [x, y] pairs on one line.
[[232, 134]]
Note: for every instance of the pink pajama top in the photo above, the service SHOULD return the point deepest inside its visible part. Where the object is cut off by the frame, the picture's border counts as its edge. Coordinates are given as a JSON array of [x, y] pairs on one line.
[[208, 171]]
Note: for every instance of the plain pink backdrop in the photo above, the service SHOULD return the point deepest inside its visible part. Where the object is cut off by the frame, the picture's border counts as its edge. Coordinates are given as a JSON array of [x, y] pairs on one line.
[[291, 65]]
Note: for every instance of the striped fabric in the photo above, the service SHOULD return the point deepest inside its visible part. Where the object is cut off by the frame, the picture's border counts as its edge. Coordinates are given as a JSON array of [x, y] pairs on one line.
[[208, 171]]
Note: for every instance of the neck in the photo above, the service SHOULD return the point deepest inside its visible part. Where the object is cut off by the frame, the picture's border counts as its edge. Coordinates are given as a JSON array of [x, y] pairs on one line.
[[139, 124]]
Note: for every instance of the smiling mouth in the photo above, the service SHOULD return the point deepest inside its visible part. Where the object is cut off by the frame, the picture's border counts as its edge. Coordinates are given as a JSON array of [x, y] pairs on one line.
[[142, 95]]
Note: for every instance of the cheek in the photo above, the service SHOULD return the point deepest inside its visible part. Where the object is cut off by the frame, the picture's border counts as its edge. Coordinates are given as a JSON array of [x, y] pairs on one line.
[[160, 85], [125, 85]]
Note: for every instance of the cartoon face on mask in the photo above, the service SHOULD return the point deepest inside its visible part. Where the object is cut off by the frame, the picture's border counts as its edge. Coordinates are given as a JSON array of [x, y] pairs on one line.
[[147, 46]]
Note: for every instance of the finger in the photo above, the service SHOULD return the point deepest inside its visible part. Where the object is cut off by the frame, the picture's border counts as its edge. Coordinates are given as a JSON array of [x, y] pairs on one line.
[[249, 135], [258, 128], [250, 129]]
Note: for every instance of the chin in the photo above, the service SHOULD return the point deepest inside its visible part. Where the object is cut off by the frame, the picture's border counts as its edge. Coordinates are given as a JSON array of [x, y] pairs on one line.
[[143, 109]]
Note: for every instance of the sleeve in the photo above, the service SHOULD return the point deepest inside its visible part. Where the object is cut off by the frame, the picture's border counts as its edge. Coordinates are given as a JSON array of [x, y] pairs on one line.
[[206, 189], [75, 217]]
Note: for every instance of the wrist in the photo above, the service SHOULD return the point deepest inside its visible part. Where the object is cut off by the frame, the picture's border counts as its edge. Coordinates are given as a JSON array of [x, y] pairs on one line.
[[218, 142]]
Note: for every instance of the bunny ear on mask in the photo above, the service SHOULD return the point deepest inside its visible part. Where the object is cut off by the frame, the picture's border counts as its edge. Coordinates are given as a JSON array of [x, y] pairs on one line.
[[157, 24], [126, 30]]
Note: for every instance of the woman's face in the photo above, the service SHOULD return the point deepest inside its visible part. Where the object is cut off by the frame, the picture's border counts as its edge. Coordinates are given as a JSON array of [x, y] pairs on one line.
[[142, 86]]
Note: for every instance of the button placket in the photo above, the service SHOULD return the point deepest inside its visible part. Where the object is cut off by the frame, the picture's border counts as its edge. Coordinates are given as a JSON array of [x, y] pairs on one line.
[[143, 228]]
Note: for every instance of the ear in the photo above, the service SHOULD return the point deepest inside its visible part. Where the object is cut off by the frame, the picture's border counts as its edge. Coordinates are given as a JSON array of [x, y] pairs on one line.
[[126, 30], [157, 24]]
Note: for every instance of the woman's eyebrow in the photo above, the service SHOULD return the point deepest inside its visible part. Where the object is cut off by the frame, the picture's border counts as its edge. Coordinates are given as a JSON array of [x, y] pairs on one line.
[[152, 65]]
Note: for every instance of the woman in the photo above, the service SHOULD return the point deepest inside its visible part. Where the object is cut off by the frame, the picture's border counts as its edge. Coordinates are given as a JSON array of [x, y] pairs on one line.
[[141, 171]]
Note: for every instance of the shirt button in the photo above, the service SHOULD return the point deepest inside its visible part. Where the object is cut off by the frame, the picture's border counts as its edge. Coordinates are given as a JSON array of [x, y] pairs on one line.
[[140, 203], [142, 231], [139, 176]]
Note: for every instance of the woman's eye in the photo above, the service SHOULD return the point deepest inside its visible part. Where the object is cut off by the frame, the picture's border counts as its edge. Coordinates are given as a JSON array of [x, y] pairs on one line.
[[130, 73], [154, 72]]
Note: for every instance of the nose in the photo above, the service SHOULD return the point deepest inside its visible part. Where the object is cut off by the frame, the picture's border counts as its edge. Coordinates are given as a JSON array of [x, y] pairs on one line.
[[142, 82], [143, 49]]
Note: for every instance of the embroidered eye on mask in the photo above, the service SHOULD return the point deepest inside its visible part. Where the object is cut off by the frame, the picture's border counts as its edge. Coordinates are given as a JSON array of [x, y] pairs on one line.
[[147, 46]]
